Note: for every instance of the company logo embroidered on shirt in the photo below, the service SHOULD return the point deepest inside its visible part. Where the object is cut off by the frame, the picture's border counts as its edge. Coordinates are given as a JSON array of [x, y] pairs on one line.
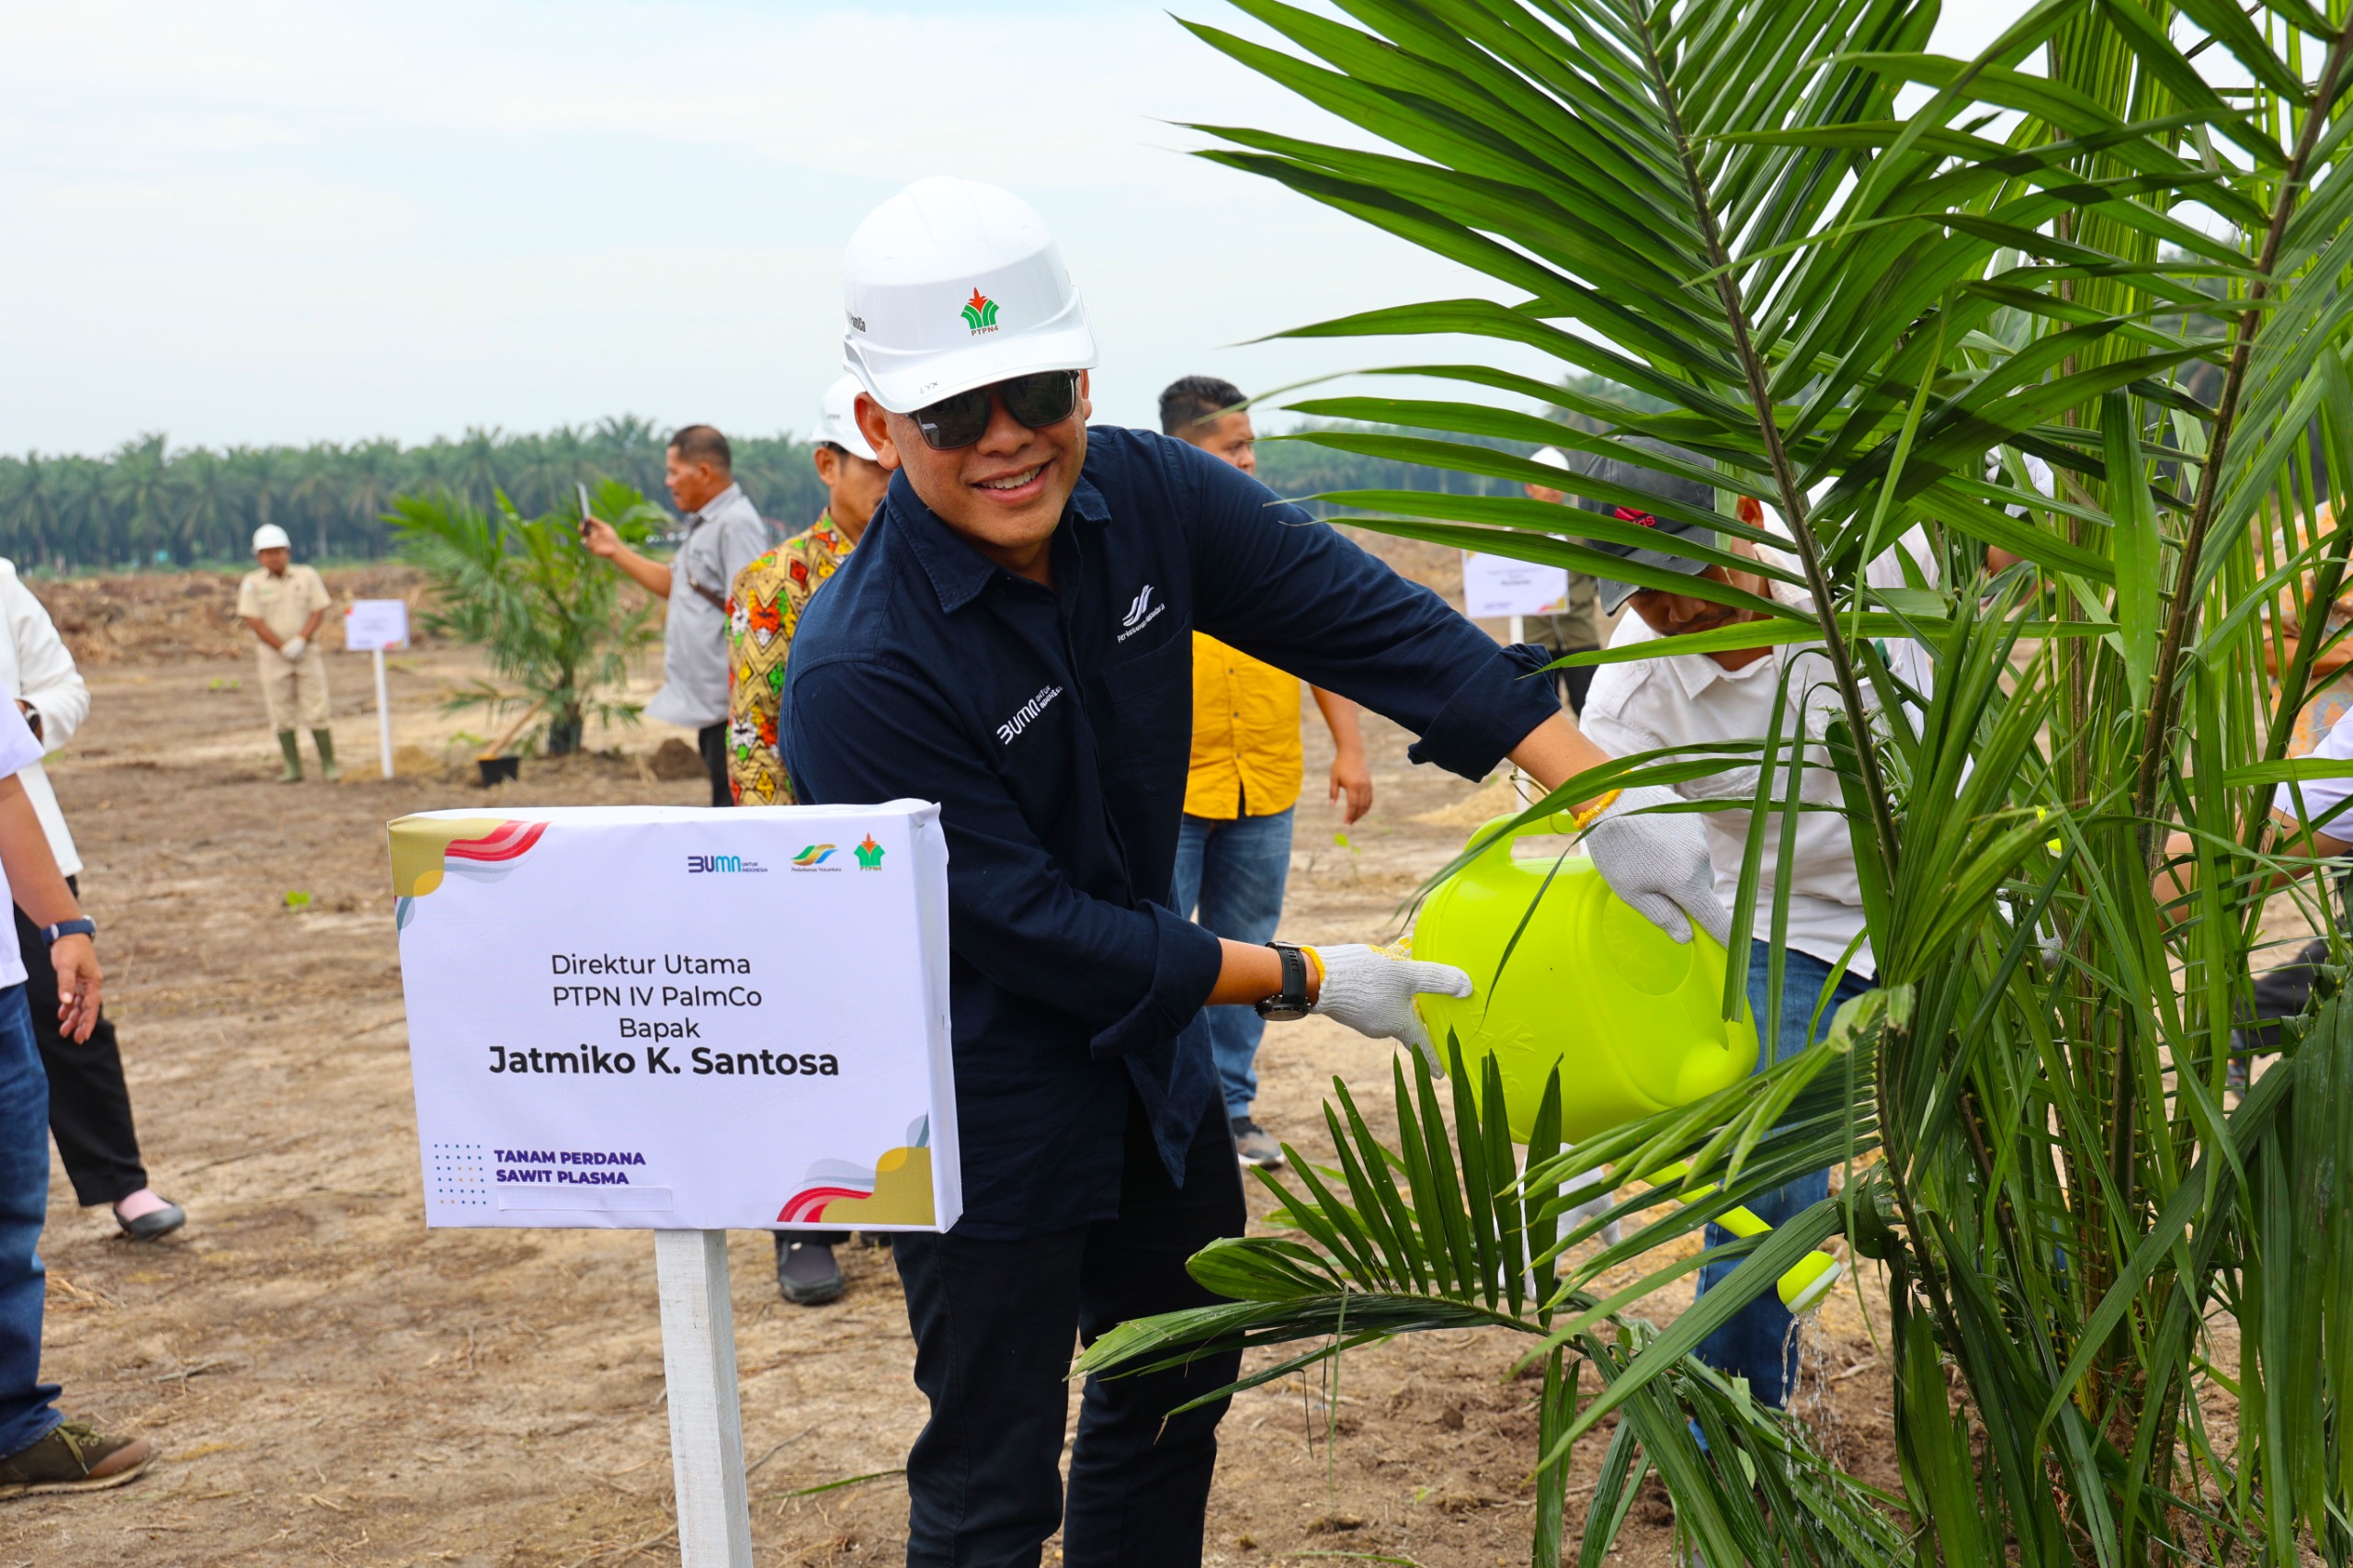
[[980, 312], [1013, 727], [1142, 613]]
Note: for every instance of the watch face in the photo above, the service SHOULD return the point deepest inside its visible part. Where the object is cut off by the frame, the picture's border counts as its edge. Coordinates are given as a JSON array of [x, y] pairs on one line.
[[1273, 1009]]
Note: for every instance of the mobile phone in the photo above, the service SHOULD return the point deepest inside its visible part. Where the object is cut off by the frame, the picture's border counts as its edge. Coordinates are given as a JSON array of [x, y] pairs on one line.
[[584, 501]]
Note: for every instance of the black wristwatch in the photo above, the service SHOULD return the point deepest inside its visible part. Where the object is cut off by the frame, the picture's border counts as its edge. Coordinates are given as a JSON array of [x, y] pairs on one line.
[[1291, 1001], [81, 926]]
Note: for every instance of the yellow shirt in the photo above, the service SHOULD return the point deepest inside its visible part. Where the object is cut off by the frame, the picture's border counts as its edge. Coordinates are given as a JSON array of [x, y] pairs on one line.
[[1246, 755]]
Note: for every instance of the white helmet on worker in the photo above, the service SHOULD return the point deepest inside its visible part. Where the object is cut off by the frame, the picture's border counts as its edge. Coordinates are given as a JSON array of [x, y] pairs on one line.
[[838, 420], [952, 285], [1550, 457], [269, 536]]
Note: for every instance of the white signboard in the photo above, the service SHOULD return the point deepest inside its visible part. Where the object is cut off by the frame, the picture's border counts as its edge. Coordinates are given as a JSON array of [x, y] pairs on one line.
[[371, 625], [1497, 584], [680, 1017]]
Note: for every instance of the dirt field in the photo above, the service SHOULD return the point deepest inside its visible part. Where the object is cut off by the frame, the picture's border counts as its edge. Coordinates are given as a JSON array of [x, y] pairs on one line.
[[331, 1382]]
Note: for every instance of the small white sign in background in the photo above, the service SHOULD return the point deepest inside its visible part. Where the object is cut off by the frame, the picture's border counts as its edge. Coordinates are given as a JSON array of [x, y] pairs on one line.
[[370, 625], [1497, 584]]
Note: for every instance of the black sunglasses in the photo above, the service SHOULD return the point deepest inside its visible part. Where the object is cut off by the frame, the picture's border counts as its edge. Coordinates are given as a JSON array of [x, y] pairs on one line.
[[1048, 397]]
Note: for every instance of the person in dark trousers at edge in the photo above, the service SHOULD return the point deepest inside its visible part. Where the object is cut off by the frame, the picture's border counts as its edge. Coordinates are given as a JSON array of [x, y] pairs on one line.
[[723, 532], [89, 1103], [1013, 639]]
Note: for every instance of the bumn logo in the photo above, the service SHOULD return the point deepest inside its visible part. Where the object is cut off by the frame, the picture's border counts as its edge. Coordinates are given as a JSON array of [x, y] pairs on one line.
[[980, 312], [699, 864]]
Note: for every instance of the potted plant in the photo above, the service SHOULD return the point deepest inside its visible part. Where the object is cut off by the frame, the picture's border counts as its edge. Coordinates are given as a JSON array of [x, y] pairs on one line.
[[552, 623]]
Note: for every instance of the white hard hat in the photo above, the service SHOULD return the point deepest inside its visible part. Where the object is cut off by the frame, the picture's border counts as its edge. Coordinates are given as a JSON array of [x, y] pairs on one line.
[[1550, 457], [952, 285], [838, 420], [269, 536]]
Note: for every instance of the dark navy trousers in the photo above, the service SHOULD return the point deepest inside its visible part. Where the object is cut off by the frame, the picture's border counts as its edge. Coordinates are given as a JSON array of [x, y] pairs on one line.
[[994, 1325]]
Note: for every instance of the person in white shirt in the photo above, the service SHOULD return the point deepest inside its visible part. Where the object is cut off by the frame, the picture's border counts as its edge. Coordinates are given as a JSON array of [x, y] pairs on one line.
[[724, 531], [40, 1451], [89, 1103], [1687, 700]]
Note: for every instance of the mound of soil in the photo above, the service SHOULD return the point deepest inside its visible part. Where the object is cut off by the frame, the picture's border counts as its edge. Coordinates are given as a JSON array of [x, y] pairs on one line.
[[171, 617]]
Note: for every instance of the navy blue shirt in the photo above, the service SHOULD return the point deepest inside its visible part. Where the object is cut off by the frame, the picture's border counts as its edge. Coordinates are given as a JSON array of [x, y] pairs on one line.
[[1054, 728]]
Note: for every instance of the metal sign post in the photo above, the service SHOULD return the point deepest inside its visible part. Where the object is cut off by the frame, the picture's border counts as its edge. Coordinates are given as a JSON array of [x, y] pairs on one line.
[[375, 625], [706, 1417], [383, 716]]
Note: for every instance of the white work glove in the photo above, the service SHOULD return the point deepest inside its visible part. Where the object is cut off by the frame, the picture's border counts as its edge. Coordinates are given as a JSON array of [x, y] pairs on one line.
[[1658, 863], [293, 648], [1372, 990]]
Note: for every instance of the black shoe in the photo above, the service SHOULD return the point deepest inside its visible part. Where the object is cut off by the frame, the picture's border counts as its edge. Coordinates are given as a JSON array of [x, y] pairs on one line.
[[806, 1273], [1255, 1145], [154, 1224]]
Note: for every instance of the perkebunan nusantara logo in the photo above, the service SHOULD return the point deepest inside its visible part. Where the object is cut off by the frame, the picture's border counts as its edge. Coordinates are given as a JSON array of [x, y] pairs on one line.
[[699, 864], [869, 854], [980, 312], [813, 859], [1141, 612]]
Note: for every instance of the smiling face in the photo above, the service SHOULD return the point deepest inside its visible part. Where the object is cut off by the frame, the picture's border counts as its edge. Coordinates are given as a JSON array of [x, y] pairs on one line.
[[1005, 493]]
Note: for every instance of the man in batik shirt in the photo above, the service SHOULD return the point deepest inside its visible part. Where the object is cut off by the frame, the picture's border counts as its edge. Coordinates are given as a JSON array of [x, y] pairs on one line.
[[763, 608], [770, 592]]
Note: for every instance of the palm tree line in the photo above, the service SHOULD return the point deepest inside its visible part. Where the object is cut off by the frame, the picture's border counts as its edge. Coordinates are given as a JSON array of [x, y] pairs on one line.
[[149, 504]]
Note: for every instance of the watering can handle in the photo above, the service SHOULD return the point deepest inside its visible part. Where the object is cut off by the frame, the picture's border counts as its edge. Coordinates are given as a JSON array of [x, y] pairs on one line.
[[1490, 834], [1803, 1285]]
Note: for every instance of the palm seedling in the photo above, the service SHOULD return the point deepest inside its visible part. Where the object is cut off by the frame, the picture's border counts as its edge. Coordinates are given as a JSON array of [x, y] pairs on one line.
[[523, 591], [2121, 1302]]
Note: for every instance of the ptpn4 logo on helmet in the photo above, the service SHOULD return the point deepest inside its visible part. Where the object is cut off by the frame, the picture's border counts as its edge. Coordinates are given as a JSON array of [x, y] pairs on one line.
[[980, 314]]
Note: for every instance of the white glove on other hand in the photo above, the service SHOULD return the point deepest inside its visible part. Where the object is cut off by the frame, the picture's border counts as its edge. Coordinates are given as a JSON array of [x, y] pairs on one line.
[[1372, 990], [293, 648], [1658, 863]]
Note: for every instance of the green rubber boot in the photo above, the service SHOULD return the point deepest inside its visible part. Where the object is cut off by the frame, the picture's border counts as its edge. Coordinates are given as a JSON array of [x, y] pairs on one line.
[[325, 741], [293, 773]]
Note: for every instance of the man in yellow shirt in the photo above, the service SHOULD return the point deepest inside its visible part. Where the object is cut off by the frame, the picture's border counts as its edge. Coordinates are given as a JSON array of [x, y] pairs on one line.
[[1233, 845]]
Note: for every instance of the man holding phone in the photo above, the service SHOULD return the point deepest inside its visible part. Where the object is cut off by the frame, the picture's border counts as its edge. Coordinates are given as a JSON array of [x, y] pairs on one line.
[[723, 532]]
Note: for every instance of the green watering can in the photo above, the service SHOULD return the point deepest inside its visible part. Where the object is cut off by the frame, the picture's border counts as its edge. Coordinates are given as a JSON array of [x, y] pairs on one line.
[[1631, 1016]]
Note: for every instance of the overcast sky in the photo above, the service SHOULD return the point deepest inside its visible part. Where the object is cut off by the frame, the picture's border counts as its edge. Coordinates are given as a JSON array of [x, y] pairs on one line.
[[256, 221]]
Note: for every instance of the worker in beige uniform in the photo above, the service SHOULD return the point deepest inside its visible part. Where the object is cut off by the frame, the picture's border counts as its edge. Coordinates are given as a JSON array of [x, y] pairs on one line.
[[284, 605]]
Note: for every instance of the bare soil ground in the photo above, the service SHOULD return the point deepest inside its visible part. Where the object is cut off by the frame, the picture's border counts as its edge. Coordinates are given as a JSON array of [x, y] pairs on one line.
[[331, 1382]]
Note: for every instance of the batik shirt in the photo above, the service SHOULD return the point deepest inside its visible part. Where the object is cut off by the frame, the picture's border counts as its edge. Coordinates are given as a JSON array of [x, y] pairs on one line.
[[763, 609]]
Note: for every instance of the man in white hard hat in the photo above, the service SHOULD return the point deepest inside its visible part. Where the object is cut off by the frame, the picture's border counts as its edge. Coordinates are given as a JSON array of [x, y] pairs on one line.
[[763, 612], [1013, 639], [723, 532], [1576, 630], [284, 605]]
